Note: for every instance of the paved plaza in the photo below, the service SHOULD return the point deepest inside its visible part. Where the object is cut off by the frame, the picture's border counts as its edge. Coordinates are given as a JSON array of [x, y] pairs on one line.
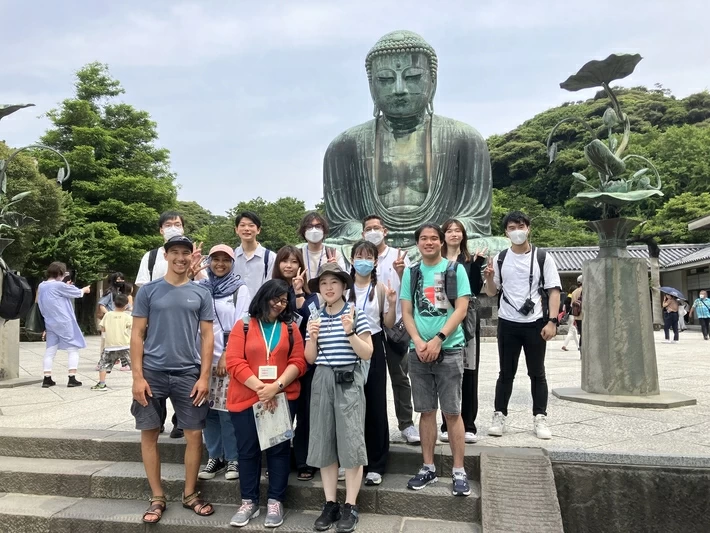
[[682, 367]]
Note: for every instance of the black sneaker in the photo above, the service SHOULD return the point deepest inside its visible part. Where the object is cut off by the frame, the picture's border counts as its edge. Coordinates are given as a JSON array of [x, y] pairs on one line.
[[461, 486], [73, 382], [213, 467], [48, 382], [422, 479], [329, 516], [176, 433], [348, 522]]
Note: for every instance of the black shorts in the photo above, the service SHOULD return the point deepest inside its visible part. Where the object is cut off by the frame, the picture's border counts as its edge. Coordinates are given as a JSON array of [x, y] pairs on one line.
[[174, 385]]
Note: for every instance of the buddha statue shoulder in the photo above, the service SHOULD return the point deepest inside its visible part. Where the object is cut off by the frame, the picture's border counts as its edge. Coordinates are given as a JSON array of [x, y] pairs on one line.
[[407, 165]]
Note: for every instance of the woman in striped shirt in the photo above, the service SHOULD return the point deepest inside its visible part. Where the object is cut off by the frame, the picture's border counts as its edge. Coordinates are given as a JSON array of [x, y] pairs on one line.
[[337, 341]]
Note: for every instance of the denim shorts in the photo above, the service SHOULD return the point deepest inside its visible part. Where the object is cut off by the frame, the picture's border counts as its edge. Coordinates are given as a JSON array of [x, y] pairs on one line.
[[437, 385], [174, 385]]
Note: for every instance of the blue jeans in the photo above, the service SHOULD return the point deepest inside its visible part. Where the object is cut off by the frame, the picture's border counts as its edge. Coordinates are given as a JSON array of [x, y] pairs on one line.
[[220, 437], [278, 459]]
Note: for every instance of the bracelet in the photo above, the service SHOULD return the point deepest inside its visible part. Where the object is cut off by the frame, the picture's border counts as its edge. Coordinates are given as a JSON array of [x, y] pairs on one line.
[[301, 295], [350, 334]]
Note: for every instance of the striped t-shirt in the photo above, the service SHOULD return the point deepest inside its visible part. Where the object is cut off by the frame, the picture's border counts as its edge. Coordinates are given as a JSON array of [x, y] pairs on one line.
[[333, 346]]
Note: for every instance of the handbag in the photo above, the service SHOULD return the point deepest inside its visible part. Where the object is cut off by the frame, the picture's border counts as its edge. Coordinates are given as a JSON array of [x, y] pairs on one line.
[[34, 321], [398, 336]]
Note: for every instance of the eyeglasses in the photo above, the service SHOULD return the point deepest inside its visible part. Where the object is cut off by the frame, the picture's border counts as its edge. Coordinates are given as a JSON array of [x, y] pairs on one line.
[[172, 225], [314, 226], [282, 301]]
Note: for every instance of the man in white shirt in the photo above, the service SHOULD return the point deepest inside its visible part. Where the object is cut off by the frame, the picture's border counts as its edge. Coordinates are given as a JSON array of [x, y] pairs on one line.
[[391, 263], [529, 284], [252, 262]]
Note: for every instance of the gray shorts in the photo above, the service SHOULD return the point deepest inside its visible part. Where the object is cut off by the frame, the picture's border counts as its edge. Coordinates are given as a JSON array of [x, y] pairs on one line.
[[174, 385], [437, 385], [337, 433], [109, 358]]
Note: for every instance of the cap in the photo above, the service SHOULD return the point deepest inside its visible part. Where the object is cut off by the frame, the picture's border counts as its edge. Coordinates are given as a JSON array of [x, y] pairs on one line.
[[222, 248], [178, 240], [579, 278], [335, 270]]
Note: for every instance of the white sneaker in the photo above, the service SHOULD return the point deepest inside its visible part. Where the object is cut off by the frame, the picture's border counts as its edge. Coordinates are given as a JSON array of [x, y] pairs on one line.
[[674, 342], [411, 435], [497, 425], [542, 431], [341, 474], [444, 436], [666, 341], [373, 478], [470, 437]]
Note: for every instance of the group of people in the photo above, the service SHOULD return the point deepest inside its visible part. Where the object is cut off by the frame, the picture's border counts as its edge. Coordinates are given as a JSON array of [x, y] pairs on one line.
[[297, 322]]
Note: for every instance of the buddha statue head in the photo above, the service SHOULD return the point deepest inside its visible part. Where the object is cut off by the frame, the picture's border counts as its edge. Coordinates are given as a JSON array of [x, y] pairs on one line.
[[401, 69]]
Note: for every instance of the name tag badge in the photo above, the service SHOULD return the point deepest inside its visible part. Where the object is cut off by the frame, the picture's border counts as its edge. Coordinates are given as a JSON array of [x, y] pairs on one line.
[[268, 372], [298, 319]]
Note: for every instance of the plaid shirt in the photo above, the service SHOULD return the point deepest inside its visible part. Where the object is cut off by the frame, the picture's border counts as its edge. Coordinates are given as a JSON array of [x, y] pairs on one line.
[[702, 308]]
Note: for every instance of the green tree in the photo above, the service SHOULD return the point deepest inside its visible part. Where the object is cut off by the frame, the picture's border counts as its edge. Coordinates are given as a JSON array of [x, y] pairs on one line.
[[196, 217], [120, 181], [670, 223], [279, 220]]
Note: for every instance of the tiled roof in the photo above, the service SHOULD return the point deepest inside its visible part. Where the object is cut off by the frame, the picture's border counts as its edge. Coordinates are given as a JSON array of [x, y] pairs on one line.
[[701, 255], [571, 259]]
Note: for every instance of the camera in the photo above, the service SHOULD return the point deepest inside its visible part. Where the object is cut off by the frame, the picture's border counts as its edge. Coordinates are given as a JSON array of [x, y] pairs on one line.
[[344, 376], [527, 307]]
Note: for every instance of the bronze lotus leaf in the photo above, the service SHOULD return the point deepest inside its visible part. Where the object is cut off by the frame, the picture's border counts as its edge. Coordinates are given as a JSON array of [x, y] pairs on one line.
[[618, 199], [6, 109], [598, 73], [603, 159]]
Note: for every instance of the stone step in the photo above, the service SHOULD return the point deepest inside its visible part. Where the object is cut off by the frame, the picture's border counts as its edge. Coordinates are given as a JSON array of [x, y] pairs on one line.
[[126, 481], [113, 446], [20, 513]]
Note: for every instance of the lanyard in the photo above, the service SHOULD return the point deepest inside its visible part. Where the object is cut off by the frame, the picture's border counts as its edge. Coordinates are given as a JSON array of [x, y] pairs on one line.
[[268, 344], [308, 261], [367, 296]]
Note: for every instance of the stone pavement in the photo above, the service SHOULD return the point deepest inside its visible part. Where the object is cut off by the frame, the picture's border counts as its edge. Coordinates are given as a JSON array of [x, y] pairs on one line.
[[683, 367]]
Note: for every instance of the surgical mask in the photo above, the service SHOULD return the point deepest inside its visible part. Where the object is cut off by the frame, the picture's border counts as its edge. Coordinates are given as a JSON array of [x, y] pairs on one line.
[[702, 296], [170, 232], [314, 235], [518, 236], [375, 237], [364, 266]]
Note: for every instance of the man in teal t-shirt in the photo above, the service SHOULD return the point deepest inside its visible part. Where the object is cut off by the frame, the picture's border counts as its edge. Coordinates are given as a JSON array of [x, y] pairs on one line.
[[436, 354]]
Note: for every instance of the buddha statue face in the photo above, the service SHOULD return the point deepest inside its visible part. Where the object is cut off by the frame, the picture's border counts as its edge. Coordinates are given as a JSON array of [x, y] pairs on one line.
[[402, 84]]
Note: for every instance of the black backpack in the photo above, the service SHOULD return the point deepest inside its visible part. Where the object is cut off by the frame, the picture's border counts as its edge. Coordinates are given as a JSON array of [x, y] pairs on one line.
[[16, 296]]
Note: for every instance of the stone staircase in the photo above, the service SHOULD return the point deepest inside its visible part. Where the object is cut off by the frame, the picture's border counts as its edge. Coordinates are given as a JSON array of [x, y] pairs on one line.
[[93, 481]]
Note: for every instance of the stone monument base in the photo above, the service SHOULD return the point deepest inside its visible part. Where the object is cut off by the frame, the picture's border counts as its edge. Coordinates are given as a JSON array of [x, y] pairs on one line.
[[663, 400], [19, 382]]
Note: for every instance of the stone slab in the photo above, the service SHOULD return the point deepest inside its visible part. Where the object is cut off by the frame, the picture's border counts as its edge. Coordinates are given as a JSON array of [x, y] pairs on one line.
[[22, 513], [518, 492], [19, 382], [664, 400]]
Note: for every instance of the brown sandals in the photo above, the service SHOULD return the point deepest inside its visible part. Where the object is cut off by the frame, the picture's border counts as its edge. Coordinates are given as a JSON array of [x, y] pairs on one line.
[[158, 504], [197, 504]]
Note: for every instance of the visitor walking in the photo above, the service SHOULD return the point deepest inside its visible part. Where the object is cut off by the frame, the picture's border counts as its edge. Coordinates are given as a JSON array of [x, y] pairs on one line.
[[571, 333], [314, 229], [54, 297], [230, 298], [264, 358], [252, 262], [391, 263], [434, 303], [378, 304], [455, 248], [529, 288], [116, 339], [577, 308], [167, 364], [670, 318], [338, 340], [289, 267], [702, 311]]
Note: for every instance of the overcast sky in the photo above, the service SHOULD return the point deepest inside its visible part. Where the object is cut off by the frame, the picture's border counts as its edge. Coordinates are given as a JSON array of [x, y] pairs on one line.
[[247, 95]]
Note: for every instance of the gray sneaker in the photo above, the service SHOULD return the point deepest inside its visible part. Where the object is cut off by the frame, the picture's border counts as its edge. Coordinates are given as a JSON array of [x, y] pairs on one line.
[[246, 512], [274, 514]]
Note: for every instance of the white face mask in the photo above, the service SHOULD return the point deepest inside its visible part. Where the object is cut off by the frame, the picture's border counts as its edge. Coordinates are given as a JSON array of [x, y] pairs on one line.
[[171, 231], [375, 237], [314, 235], [518, 236]]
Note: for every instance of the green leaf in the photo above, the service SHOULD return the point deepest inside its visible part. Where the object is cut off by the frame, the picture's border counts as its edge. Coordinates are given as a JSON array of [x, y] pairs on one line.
[[552, 152], [613, 142], [639, 173], [595, 73], [580, 177], [20, 196], [617, 199]]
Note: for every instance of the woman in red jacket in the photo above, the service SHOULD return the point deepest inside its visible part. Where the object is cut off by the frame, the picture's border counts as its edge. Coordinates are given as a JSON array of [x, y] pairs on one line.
[[273, 350]]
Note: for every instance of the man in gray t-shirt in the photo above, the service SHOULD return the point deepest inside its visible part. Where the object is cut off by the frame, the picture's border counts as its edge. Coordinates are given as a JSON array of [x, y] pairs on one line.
[[174, 315], [167, 315]]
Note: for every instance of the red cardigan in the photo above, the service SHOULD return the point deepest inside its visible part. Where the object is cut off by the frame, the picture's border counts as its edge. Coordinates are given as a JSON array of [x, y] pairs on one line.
[[241, 366]]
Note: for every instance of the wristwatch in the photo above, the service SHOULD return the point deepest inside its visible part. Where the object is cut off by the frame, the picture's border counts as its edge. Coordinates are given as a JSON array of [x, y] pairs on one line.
[[441, 336], [553, 320], [301, 295], [281, 385]]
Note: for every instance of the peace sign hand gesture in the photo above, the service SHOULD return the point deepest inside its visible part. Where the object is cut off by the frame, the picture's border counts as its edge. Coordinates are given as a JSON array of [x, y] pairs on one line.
[[480, 253], [348, 320], [398, 264], [489, 272], [391, 294], [299, 280]]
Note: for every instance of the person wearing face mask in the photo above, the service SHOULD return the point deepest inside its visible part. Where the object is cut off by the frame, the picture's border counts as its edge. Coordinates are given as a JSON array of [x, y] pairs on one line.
[[314, 228], [525, 277], [391, 263], [379, 304], [701, 308]]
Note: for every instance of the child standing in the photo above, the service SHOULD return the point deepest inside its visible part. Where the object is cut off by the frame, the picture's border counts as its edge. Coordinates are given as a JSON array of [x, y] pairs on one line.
[[116, 330]]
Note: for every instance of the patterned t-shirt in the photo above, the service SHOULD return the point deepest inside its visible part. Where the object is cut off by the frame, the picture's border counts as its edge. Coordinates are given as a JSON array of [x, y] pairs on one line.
[[334, 347]]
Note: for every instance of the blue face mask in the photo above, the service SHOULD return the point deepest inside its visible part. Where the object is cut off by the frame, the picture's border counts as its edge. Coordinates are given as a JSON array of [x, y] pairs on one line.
[[364, 266]]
